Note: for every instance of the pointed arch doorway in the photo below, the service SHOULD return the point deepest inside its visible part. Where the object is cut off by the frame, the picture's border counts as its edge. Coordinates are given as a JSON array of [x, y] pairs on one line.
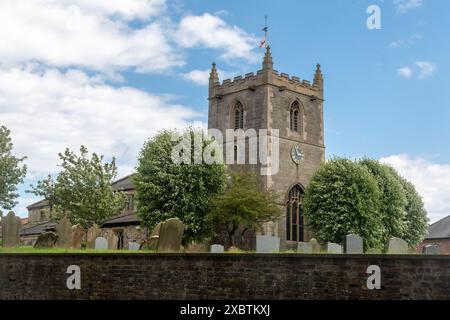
[[294, 214]]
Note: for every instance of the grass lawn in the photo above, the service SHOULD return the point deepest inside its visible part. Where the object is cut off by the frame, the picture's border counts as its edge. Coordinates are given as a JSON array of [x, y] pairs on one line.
[[62, 250]]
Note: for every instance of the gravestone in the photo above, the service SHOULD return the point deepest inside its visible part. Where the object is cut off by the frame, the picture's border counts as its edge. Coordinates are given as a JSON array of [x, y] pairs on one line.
[[46, 240], [154, 237], [334, 248], [101, 243], [315, 245], [171, 235], [217, 248], [304, 247], [113, 240], [267, 244], [353, 244], [93, 233], [397, 246], [77, 236], [431, 249], [11, 226], [64, 232], [374, 251], [133, 246]]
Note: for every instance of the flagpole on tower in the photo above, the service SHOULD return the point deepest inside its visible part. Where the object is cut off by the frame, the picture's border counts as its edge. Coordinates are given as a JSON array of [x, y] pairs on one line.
[[264, 42]]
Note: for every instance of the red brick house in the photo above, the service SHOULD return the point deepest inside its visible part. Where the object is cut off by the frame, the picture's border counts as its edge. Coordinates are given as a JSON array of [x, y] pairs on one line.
[[438, 233]]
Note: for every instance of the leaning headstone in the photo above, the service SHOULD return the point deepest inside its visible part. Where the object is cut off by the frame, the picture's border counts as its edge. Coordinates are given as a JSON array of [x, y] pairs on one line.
[[77, 236], [101, 243], [46, 240], [217, 248], [431, 249], [397, 246], [267, 244], [304, 247], [113, 240], [11, 226], [93, 233], [133, 246], [374, 251], [152, 241], [64, 232], [353, 244], [333, 248], [315, 245], [171, 235]]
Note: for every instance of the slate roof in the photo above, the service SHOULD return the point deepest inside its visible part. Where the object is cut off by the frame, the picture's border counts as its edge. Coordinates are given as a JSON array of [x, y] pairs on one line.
[[128, 219], [39, 204], [440, 229], [38, 229], [125, 183]]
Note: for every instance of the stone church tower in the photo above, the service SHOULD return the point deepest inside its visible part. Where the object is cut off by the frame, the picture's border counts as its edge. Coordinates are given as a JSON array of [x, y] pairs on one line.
[[271, 100]]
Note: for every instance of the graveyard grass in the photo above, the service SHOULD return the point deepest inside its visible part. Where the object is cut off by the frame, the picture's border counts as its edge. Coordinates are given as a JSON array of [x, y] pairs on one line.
[[64, 250], [32, 250]]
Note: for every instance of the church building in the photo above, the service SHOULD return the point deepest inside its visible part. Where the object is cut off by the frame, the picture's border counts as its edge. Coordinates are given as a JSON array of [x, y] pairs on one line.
[[272, 100]]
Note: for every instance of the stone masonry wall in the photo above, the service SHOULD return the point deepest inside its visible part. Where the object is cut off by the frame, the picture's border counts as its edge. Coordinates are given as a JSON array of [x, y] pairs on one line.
[[223, 276]]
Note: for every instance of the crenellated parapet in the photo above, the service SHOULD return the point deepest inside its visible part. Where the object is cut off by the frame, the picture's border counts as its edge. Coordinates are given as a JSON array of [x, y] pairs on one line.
[[266, 76]]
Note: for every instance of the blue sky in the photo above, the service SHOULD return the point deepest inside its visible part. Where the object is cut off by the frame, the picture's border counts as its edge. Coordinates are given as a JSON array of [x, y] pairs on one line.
[[110, 74]]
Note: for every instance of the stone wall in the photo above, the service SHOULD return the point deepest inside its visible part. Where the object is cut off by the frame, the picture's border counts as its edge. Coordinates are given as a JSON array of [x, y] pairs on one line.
[[223, 276]]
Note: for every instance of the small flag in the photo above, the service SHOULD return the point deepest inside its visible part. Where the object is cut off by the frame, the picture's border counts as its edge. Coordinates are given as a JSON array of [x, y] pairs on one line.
[[262, 43]]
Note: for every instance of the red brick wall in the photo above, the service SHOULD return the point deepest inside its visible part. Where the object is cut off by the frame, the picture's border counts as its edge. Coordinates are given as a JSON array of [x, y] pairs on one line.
[[223, 276], [444, 245]]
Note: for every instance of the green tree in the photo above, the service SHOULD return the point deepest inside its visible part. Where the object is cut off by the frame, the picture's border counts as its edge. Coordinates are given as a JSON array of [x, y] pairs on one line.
[[168, 189], [416, 220], [245, 205], [392, 201], [342, 198], [82, 190], [12, 172]]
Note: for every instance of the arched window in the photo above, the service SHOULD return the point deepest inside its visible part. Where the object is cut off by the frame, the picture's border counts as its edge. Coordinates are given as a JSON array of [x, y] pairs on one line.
[[295, 121], [294, 214], [238, 116]]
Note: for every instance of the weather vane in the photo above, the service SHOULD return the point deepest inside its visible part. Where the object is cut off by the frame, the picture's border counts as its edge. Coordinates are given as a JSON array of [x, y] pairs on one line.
[[266, 30]]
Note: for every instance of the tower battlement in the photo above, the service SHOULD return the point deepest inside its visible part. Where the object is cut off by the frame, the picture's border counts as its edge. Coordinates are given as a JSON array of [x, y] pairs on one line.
[[266, 76]]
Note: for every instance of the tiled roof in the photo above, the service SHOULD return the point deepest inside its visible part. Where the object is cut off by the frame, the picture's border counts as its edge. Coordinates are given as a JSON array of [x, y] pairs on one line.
[[126, 183], [40, 203], [122, 220], [38, 229], [439, 229]]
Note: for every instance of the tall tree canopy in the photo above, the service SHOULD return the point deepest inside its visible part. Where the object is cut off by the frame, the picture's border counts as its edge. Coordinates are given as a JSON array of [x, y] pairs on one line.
[[392, 200], [343, 198], [367, 198], [416, 220], [168, 189], [82, 190], [12, 171], [244, 205]]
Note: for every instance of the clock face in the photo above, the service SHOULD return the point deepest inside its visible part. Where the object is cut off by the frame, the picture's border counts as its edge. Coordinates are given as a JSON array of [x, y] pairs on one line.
[[297, 154]]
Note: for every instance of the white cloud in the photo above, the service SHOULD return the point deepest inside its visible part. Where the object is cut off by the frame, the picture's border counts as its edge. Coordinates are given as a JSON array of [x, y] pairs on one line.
[[211, 32], [431, 180], [201, 77], [89, 34], [48, 111], [405, 72], [127, 10], [426, 69], [403, 6], [422, 70], [407, 42]]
